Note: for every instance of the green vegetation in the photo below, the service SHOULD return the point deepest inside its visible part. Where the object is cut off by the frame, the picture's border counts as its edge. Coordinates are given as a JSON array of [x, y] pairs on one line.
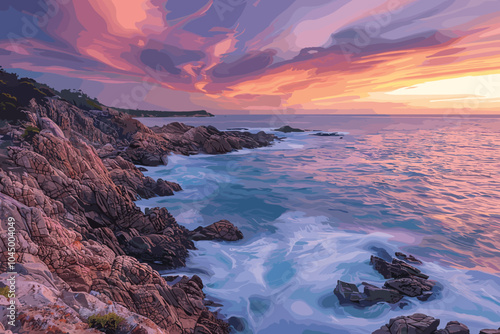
[[30, 132], [4, 291], [159, 113], [107, 323], [80, 99], [16, 94]]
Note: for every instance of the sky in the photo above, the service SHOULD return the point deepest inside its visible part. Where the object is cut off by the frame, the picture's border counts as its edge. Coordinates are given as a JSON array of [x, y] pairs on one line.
[[262, 56]]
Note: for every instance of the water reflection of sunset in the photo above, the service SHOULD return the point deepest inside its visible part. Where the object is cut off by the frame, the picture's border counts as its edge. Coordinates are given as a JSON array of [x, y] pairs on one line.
[[440, 186]]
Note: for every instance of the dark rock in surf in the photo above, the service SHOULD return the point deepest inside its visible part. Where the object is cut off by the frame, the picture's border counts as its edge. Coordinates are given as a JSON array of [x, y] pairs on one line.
[[453, 327], [222, 230], [416, 324], [375, 294], [408, 258], [237, 323], [288, 129], [396, 269], [349, 294], [411, 286]]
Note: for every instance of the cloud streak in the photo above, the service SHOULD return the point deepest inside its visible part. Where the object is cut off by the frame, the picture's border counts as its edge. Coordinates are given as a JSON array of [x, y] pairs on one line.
[[254, 54]]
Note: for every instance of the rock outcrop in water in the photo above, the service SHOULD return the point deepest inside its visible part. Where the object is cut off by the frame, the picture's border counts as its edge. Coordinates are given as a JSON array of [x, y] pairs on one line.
[[419, 323], [187, 139], [349, 293], [222, 230], [288, 129], [404, 280], [68, 180]]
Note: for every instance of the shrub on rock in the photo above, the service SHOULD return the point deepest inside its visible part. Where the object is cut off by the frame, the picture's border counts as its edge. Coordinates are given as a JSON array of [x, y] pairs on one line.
[[107, 323]]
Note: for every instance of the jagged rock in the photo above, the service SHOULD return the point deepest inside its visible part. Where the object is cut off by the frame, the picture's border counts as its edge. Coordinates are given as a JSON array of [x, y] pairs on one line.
[[160, 249], [410, 269], [415, 324], [221, 230], [71, 189], [396, 269], [490, 331], [349, 293], [106, 151], [147, 150], [425, 296], [45, 305], [166, 188], [453, 327], [408, 258], [375, 294], [411, 287], [124, 173], [186, 139]]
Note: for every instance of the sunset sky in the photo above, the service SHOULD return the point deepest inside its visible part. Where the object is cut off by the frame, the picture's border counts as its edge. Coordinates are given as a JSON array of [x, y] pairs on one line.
[[257, 56]]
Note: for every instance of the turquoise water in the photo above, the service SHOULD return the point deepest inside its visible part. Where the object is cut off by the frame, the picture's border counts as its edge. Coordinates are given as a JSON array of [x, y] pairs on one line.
[[313, 210]]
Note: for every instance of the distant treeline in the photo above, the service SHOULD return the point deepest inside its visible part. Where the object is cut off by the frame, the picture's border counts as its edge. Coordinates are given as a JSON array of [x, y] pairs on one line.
[[159, 113], [15, 94]]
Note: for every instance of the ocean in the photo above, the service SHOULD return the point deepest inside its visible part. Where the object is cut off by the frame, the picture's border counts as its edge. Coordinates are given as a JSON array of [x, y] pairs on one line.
[[314, 209]]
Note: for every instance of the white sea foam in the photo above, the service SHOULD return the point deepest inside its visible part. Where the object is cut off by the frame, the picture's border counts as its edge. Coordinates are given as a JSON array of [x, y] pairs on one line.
[[313, 211]]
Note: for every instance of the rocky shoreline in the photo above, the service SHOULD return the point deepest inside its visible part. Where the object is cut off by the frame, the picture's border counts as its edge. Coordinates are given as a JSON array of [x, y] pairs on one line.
[[419, 323], [404, 281], [68, 179]]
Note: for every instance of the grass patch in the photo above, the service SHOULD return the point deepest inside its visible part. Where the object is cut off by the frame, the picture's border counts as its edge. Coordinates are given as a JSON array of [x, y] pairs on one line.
[[107, 323], [4, 291], [30, 131]]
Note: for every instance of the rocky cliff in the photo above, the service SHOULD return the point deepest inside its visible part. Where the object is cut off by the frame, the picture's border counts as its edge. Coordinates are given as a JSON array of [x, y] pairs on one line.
[[68, 179]]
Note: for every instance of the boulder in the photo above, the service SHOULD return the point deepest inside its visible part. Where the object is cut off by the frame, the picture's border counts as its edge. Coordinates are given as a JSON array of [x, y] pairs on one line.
[[407, 258], [454, 327], [414, 324], [375, 294], [349, 294], [288, 129], [412, 286], [222, 230], [396, 269]]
